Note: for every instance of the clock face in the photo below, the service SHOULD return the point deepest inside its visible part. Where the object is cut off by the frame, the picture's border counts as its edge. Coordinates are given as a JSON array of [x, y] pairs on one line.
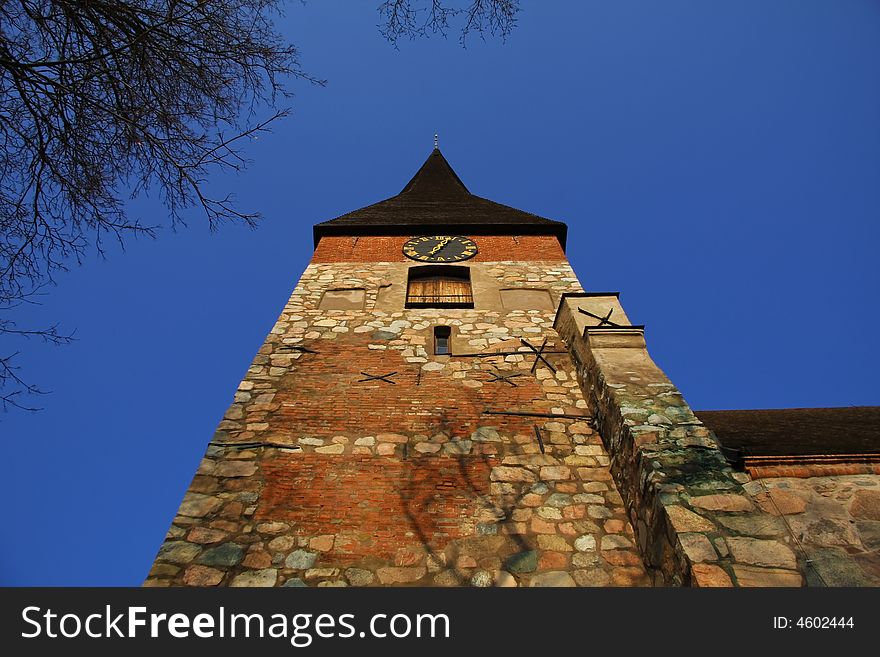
[[440, 248]]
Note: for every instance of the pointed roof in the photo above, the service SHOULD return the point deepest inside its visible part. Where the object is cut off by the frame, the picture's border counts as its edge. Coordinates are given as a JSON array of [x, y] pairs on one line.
[[437, 201]]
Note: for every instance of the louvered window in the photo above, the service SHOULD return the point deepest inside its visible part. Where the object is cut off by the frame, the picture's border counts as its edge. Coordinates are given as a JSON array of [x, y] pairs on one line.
[[439, 287]]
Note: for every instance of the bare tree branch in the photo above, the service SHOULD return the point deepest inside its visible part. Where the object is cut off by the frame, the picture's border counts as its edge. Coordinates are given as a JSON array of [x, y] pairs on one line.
[[102, 99], [14, 390], [419, 18]]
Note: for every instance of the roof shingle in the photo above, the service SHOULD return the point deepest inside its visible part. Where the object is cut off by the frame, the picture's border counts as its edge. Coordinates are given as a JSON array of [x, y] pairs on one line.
[[796, 431]]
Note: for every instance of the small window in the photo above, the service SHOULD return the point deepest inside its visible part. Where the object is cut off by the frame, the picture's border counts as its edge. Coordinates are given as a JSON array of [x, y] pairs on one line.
[[439, 287], [441, 340]]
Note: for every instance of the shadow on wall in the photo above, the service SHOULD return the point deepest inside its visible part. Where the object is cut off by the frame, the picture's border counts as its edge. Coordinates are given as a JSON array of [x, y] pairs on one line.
[[465, 560]]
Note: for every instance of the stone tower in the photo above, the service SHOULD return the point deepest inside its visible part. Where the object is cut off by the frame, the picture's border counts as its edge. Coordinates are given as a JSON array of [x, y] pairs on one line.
[[427, 410]]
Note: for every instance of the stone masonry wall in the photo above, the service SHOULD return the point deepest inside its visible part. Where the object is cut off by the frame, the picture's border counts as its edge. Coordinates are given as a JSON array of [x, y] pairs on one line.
[[694, 520], [836, 521], [454, 470]]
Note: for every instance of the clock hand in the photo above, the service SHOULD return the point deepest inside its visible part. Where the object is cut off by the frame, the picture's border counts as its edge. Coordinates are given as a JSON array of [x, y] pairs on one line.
[[438, 247]]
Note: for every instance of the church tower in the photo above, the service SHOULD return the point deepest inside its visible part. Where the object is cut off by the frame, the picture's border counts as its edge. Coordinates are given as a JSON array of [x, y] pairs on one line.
[[427, 411]]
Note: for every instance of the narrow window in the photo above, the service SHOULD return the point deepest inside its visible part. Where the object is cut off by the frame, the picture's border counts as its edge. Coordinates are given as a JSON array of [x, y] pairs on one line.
[[439, 287], [441, 340]]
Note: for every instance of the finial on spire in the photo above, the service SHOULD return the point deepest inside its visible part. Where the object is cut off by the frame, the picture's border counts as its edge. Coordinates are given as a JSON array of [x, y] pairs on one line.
[[436, 142]]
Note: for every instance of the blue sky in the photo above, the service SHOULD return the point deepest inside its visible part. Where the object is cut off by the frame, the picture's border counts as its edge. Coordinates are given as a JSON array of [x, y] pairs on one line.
[[716, 162]]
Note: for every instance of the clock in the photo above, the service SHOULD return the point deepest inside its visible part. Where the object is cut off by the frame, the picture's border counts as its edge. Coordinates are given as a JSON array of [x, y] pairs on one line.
[[440, 248]]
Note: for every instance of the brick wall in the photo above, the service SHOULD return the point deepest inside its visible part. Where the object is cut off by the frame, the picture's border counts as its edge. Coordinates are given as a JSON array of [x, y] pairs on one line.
[[419, 506], [491, 248]]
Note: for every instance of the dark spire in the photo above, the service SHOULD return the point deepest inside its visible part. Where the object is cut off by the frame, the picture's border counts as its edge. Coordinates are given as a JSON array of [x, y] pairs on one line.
[[435, 178], [437, 201]]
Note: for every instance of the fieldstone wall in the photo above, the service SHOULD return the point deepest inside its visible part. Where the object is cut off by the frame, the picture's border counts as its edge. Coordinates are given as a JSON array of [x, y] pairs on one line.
[[836, 521], [695, 522], [352, 455]]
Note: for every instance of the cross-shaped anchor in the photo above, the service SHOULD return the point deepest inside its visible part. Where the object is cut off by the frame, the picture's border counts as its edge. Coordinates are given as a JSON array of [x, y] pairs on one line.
[[297, 347], [377, 377], [538, 356], [498, 376], [602, 320], [538, 436]]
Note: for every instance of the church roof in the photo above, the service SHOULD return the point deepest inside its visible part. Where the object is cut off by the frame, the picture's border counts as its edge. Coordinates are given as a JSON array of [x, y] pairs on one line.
[[437, 201], [796, 432]]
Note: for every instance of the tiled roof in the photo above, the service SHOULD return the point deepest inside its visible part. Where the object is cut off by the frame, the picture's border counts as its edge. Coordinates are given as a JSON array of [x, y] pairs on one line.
[[797, 432]]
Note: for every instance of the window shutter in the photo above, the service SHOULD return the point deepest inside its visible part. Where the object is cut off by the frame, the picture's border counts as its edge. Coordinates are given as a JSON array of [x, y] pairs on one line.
[[442, 290]]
